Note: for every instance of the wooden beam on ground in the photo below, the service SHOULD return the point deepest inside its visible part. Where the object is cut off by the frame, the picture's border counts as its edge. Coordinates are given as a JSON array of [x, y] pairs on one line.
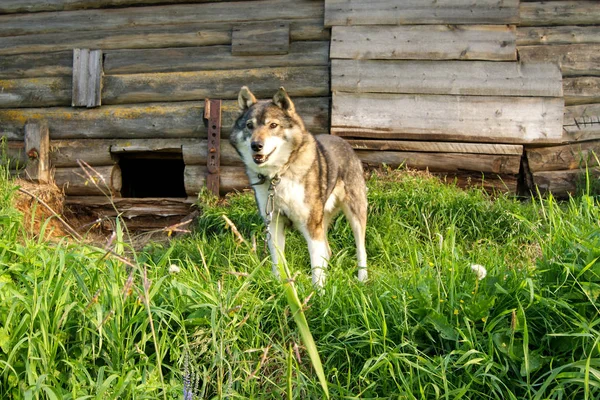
[[569, 156], [492, 183], [581, 90], [87, 78], [418, 12], [260, 39], [549, 13], [448, 118], [436, 147], [37, 147], [573, 59], [156, 120], [581, 123], [99, 181], [436, 42], [132, 207], [535, 35], [231, 179], [447, 77], [563, 183]]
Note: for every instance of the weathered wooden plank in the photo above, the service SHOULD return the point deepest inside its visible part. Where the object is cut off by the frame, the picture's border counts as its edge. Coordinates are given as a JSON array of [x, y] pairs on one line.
[[36, 65], [210, 58], [492, 183], [37, 148], [548, 13], [581, 123], [182, 86], [435, 42], [444, 162], [416, 12], [132, 207], [87, 78], [197, 153], [154, 37], [569, 156], [437, 147], [35, 92], [158, 120], [563, 183], [107, 19], [231, 178], [573, 59], [536, 35], [95, 152], [581, 90], [101, 181], [261, 38], [448, 118], [447, 77]]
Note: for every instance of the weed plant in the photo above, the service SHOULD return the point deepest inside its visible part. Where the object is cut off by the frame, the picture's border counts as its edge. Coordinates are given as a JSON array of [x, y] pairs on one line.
[[202, 317]]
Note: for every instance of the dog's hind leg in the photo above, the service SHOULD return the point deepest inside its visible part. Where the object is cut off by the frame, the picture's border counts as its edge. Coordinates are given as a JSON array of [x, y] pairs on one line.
[[357, 217]]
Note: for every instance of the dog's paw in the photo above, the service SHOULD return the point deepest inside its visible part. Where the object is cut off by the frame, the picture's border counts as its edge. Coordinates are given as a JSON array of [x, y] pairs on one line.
[[362, 274]]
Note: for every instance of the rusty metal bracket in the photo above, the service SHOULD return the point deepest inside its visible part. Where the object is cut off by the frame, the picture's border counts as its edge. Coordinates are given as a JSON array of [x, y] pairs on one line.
[[212, 113]]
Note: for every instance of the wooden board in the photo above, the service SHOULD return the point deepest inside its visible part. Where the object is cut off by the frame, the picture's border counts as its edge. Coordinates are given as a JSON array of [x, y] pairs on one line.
[[102, 180], [581, 122], [158, 120], [491, 183], [211, 58], [416, 12], [570, 156], [120, 18], [562, 183], [132, 207], [548, 13], [436, 42], [222, 84], [37, 147], [35, 92], [231, 178], [574, 59], [87, 78], [581, 90], [260, 39], [436, 147], [36, 65], [449, 118], [447, 77], [444, 162], [534, 35], [153, 37], [95, 152]]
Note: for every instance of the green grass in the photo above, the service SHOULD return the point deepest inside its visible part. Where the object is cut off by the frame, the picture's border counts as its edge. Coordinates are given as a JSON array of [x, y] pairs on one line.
[[76, 323]]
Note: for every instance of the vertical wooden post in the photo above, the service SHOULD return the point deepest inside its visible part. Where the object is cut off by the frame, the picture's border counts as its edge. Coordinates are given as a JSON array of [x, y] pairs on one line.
[[37, 147], [212, 113], [87, 78]]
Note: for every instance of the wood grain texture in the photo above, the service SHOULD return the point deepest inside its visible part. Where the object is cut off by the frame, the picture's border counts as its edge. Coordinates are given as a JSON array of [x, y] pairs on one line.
[[436, 42], [196, 153], [132, 207], [569, 156], [416, 12], [37, 65], [75, 182], [447, 77], [260, 39], [14, 156], [581, 90], [121, 18], [444, 162], [491, 183], [581, 123], [87, 78], [231, 179], [436, 147], [548, 13], [222, 84], [35, 92], [37, 148], [211, 58], [95, 152], [157, 120], [573, 59], [447, 118], [562, 183], [536, 35]]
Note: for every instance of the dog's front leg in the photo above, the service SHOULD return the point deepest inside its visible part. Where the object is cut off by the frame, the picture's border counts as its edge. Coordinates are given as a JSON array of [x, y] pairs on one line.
[[276, 242], [319, 255]]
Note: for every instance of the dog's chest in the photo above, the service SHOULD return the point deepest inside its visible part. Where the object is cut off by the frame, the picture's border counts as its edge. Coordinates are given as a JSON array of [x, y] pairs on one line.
[[288, 199]]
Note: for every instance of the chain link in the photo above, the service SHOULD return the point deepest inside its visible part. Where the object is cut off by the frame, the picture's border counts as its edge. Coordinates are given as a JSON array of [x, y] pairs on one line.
[[270, 207]]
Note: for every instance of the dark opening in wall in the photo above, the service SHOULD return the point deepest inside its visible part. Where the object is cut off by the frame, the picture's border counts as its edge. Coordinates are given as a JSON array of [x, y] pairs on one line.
[[152, 174]]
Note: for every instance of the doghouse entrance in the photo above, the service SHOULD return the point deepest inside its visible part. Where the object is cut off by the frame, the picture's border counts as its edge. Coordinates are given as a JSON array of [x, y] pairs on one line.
[[152, 174]]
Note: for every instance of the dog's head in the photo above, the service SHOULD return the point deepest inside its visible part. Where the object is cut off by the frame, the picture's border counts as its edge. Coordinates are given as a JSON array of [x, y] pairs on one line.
[[267, 131]]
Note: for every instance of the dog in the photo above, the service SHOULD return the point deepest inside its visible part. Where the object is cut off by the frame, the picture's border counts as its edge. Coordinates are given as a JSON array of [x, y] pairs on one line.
[[299, 179]]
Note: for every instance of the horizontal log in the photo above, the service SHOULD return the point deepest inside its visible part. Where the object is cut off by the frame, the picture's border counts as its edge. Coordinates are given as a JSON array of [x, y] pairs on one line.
[[197, 154], [563, 183], [548, 13], [569, 156], [182, 86], [37, 65], [157, 120], [108, 19], [444, 162], [436, 42], [492, 183], [415, 12], [211, 58], [100, 181], [261, 39], [535, 35], [573, 59], [581, 90], [12, 154], [154, 37], [581, 123], [132, 207], [231, 179], [35, 92], [447, 118], [95, 152], [436, 147], [446, 77]]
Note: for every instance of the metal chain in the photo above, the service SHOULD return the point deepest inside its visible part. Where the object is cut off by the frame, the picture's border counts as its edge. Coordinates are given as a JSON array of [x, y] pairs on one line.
[[270, 207]]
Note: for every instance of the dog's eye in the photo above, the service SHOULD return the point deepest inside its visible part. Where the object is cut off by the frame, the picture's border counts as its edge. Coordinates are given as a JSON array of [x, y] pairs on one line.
[[249, 125], [273, 125]]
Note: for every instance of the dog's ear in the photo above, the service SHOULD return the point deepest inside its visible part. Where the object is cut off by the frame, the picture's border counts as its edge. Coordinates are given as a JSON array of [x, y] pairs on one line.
[[245, 98], [283, 101]]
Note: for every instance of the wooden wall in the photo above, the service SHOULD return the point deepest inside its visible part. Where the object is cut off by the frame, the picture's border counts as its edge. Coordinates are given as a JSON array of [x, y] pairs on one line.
[[158, 64]]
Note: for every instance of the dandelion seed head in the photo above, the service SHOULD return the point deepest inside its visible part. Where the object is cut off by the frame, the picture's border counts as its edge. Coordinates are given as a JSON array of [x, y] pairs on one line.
[[479, 270], [174, 269]]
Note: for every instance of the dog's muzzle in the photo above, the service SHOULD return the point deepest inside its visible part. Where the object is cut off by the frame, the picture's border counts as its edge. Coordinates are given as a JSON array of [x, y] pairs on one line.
[[262, 158]]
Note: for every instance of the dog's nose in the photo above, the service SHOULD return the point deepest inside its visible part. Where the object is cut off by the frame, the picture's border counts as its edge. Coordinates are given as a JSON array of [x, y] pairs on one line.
[[256, 146]]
